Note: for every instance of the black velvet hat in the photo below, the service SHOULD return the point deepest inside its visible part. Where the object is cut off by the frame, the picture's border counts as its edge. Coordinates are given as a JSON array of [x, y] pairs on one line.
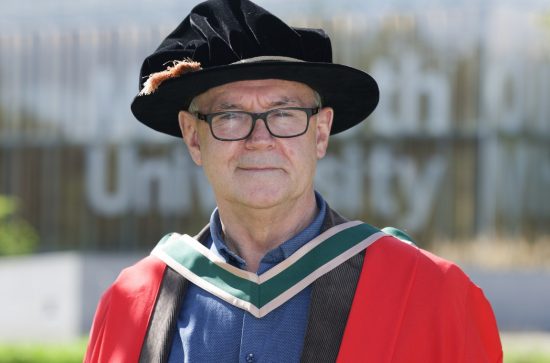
[[224, 41]]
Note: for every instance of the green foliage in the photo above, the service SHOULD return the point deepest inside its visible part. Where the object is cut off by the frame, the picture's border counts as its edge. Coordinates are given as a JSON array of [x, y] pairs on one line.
[[74, 352], [527, 357], [526, 347], [43, 353], [17, 236]]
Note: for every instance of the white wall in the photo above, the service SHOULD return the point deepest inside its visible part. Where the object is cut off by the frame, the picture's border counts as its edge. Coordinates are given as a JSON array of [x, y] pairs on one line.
[[52, 297]]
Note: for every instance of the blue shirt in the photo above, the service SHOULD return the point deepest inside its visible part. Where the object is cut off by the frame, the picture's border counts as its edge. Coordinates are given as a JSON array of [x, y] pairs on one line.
[[211, 330]]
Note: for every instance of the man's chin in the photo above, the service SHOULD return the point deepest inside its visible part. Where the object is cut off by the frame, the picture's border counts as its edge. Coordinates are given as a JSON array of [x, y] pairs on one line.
[[261, 199], [264, 203]]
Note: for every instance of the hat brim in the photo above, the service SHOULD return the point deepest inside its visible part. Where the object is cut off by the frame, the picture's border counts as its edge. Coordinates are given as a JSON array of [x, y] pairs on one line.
[[352, 94]]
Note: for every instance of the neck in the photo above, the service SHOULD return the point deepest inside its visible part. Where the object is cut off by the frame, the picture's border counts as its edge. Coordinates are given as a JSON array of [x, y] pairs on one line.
[[252, 232]]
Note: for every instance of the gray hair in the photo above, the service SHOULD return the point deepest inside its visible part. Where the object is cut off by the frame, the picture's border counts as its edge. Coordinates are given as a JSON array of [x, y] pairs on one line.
[[318, 100], [193, 107]]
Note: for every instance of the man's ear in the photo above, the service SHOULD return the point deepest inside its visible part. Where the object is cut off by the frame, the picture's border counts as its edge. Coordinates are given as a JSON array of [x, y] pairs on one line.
[[323, 125], [189, 131]]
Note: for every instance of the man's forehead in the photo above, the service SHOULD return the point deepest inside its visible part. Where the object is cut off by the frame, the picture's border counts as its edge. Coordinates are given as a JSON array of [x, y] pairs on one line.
[[275, 91]]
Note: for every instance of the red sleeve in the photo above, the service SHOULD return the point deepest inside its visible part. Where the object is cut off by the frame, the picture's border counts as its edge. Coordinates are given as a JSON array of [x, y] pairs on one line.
[[98, 325], [482, 341], [123, 314]]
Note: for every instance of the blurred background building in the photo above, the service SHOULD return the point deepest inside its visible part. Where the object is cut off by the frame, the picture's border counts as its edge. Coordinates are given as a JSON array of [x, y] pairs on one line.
[[459, 146]]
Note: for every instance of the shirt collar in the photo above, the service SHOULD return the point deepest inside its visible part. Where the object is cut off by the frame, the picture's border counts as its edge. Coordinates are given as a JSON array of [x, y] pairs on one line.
[[279, 253]]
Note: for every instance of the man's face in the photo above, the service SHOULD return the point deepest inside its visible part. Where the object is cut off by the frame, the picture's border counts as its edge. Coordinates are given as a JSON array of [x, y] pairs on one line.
[[261, 171]]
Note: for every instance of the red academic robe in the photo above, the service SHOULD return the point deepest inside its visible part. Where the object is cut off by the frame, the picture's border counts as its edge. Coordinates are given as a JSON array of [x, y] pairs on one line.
[[409, 306]]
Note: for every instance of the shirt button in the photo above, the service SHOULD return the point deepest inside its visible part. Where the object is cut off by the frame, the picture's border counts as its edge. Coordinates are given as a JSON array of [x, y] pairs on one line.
[[250, 358]]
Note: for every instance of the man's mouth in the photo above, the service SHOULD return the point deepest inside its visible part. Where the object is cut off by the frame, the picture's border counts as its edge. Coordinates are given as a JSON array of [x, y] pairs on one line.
[[257, 168]]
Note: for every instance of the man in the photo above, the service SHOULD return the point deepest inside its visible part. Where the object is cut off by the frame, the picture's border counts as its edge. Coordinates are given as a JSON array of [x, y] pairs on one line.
[[277, 276]]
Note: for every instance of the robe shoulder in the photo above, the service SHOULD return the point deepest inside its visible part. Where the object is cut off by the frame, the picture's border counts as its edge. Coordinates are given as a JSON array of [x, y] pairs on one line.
[[417, 307]]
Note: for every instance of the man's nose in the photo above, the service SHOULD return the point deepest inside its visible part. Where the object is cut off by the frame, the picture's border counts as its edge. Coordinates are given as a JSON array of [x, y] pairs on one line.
[[260, 134]]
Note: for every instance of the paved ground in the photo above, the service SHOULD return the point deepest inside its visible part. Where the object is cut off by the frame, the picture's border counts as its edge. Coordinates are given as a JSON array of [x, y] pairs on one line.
[[528, 341]]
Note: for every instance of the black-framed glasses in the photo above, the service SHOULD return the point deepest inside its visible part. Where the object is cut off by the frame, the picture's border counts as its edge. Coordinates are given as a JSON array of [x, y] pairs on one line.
[[238, 125]]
